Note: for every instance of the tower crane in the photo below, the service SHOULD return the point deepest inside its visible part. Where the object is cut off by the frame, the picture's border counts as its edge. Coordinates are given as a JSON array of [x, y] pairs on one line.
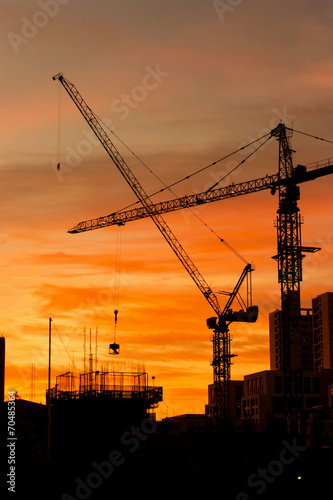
[[290, 251], [221, 342], [221, 339]]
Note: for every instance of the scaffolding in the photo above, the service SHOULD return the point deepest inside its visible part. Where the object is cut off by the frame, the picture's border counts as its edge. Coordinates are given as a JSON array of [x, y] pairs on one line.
[[112, 385]]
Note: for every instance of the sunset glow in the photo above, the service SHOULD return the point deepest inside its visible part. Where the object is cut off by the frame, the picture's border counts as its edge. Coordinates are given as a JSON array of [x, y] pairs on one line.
[[181, 90]]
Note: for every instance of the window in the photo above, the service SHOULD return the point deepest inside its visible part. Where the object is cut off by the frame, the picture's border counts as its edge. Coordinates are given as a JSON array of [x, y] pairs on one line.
[[278, 384], [238, 392], [316, 385], [311, 402], [249, 387], [277, 403], [306, 385], [246, 408]]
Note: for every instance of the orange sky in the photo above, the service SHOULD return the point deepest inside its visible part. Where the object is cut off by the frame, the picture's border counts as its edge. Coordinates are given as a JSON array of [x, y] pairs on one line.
[[183, 85]]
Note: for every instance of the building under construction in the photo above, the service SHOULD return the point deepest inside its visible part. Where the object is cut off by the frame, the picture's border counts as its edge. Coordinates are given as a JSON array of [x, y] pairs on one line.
[[95, 412], [102, 401], [122, 391], [115, 390]]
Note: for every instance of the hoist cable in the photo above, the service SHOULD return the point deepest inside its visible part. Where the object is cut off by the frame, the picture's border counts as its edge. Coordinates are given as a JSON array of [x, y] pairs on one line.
[[117, 280], [187, 177], [59, 128], [310, 135], [72, 360], [239, 164], [168, 187]]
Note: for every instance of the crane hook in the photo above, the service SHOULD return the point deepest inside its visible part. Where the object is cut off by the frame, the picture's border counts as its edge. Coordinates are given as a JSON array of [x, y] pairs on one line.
[[114, 348]]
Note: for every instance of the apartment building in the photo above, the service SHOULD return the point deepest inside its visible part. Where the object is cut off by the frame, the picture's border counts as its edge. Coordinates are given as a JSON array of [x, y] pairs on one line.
[[322, 316]]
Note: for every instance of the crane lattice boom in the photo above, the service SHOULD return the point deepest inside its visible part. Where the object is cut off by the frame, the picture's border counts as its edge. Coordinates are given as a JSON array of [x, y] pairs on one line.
[[136, 187], [272, 182]]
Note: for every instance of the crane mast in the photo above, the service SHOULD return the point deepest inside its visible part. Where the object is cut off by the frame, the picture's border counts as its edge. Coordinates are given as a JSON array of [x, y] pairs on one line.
[[288, 221], [221, 337], [222, 341], [289, 258]]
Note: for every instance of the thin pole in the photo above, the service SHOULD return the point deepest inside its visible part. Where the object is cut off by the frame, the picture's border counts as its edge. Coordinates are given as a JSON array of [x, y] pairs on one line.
[[96, 352], [84, 351], [49, 397]]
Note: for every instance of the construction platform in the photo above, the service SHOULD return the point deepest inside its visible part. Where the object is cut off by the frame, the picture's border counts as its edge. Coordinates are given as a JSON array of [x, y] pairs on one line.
[[105, 385]]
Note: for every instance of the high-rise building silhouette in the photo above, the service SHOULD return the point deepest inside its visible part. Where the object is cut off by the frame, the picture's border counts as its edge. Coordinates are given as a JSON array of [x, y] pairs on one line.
[[311, 359], [322, 311], [301, 338], [311, 336]]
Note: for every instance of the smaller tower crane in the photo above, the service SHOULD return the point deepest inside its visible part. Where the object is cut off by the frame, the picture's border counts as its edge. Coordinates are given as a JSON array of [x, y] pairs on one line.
[[221, 341]]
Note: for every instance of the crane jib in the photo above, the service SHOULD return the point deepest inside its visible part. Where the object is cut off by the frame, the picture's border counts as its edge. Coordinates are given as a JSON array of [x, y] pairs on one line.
[[269, 182]]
